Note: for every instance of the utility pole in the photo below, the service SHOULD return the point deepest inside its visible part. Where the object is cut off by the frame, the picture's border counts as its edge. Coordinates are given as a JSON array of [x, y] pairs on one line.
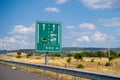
[[77, 44], [6, 46], [108, 46], [3, 45], [17, 46]]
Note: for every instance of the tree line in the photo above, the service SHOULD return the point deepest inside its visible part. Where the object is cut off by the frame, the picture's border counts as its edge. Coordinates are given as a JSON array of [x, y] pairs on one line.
[[97, 54]]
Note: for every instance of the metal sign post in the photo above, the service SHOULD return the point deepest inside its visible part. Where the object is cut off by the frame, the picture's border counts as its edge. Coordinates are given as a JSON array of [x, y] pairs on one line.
[[46, 62], [46, 58], [47, 38]]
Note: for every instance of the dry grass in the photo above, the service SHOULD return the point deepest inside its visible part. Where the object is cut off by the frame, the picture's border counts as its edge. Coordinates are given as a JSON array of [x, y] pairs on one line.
[[98, 65]]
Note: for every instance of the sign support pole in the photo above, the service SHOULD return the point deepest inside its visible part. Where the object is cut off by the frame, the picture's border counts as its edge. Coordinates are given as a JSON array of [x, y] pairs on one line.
[[46, 62], [46, 58]]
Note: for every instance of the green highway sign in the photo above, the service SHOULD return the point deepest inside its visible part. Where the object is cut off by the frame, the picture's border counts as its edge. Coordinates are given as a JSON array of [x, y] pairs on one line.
[[48, 36]]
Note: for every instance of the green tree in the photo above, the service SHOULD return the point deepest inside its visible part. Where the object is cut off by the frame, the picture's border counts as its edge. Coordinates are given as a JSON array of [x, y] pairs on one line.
[[92, 54], [100, 54], [113, 53], [119, 54], [111, 57], [89, 54], [79, 56], [19, 54]]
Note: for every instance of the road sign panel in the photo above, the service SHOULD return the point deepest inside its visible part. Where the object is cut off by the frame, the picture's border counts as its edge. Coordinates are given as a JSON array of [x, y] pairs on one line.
[[48, 36]]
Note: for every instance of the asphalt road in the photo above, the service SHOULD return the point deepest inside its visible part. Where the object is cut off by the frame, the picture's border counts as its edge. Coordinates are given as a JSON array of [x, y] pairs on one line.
[[11, 74]]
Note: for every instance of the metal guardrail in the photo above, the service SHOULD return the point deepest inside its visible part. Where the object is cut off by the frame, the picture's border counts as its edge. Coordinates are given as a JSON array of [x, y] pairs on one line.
[[74, 72]]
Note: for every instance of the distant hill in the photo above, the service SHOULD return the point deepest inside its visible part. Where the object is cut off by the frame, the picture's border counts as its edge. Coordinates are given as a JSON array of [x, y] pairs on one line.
[[65, 50], [74, 49], [3, 51], [116, 49]]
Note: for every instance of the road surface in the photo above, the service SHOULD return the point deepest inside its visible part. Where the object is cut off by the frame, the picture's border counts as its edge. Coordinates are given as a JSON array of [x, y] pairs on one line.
[[11, 74]]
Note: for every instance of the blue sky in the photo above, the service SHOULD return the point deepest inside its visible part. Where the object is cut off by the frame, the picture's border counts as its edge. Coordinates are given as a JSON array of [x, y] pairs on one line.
[[85, 23]]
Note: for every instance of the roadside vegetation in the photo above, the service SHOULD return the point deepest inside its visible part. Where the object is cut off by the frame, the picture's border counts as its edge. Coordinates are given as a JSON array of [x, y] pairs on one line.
[[18, 54], [93, 61]]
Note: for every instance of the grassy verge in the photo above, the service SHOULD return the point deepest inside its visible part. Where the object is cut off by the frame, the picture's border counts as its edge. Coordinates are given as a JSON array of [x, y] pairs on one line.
[[98, 65]]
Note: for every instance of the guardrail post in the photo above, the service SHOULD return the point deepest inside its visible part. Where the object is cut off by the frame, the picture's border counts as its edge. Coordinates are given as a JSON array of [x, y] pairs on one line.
[[26, 69], [76, 78], [35, 70], [44, 72], [57, 76], [7, 64], [19, 66]]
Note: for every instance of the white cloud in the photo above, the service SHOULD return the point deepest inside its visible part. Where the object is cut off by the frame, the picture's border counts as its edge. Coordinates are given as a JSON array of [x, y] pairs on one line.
[[94, 37], [101, 4], [70, 27], [89, 26], [72, 34], [52, 9], [9, 39], [12, 43], [20, 36], [78, 36], [98, 36], [61, 1], [21, 29], [16, 41], [113, 22], [83, 39]]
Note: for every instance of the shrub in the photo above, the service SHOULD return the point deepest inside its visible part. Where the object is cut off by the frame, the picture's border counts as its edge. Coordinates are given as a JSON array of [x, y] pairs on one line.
[[80, 66], [69, 55], [55, 55], [28, 55], [68, 60], [92, 60], [18, 56], [107, 64], [99, 63], [52, 58], [62, 56], [38, 58]]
